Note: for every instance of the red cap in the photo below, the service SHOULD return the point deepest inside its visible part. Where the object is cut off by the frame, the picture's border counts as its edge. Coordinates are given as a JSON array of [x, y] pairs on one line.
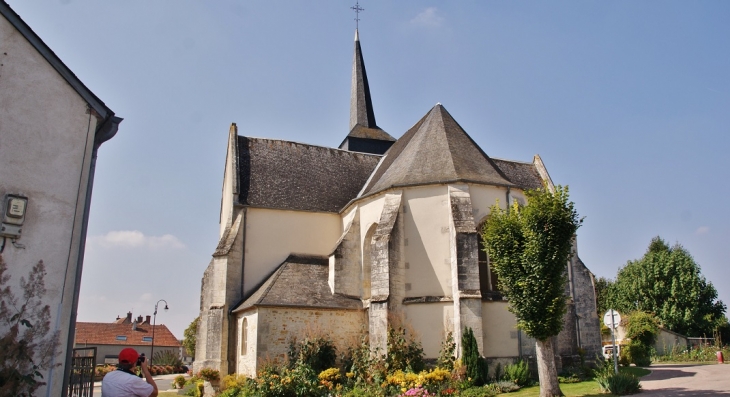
[[128, 355]]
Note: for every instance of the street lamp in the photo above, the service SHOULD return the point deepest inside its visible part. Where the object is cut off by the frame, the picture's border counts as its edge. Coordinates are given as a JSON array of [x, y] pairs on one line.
[[154, 321]]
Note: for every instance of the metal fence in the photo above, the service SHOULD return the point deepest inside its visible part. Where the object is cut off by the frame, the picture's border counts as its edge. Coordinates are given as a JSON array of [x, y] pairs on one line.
[[81, 383]]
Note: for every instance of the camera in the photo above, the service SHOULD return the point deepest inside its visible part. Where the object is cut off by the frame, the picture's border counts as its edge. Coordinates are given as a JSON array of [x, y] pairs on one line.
[[141, 359]]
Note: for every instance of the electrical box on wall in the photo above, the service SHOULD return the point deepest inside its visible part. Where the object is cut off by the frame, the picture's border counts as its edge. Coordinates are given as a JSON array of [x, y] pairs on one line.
[[14, 208]]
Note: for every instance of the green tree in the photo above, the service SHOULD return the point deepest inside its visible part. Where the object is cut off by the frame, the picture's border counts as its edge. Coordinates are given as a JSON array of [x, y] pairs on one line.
[[602, 286], [667, 282], [476, 366], [529, 247], [189, 336]]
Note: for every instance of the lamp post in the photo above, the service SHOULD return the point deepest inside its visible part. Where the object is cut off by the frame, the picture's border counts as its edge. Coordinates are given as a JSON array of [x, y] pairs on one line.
[[154, 321]]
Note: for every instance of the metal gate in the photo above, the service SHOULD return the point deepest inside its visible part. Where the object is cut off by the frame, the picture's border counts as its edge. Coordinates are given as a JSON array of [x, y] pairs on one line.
[[81, 383]]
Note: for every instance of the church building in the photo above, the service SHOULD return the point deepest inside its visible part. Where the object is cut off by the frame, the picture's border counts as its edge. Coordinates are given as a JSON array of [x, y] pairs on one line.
[[379, 232]]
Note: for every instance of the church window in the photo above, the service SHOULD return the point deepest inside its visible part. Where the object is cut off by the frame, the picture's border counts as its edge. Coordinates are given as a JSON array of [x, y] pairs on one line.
[[487, 277], [244, 336]]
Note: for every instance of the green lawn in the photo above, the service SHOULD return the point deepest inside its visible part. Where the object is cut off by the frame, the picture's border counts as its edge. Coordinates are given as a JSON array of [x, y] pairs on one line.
[[585, 389]]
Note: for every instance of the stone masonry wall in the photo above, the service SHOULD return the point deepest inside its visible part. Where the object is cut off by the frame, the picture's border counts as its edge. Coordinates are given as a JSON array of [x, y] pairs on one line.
[[346, 260], [465, 266], [585, 308], [277, 326], [385, 255]]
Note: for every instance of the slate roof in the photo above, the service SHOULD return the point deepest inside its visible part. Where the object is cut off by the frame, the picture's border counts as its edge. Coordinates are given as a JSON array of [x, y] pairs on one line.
[[435, 150], [106, 334], [300, 281], [524, 175], [295, 176]]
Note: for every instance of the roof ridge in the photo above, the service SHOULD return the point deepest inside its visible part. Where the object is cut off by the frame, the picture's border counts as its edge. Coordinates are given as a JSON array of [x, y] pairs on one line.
[[310, 145]]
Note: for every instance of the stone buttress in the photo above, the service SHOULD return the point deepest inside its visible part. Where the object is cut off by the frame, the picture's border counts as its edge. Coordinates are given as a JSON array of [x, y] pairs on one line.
[[387, 273], [464, 266]]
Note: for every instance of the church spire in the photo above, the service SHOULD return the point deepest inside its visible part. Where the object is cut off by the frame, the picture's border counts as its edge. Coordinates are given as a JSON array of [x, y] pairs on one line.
[[361, 106]]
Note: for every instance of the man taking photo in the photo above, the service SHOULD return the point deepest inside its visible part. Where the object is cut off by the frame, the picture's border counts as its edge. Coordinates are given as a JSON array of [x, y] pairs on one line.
[[124, 382]]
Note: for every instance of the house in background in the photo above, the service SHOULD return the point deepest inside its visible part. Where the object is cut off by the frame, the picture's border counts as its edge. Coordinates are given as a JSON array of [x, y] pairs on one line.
[[51, 128], [110, 338], [379, 232]]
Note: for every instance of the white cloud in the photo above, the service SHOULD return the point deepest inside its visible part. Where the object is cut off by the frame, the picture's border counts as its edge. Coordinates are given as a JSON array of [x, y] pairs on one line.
[[428, 18], [135, 239], [702, 230]]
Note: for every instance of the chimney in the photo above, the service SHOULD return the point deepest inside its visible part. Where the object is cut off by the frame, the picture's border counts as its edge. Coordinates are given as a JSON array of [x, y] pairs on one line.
[[134, 325], [129, 317], [139, 319], [117, 317], [148, 320]]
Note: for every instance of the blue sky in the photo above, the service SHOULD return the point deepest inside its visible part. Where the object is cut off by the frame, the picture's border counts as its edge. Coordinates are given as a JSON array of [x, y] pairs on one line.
[[627, 102]]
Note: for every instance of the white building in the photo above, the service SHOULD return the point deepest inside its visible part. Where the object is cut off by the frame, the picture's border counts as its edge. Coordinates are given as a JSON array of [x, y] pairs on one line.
[[51, 128]]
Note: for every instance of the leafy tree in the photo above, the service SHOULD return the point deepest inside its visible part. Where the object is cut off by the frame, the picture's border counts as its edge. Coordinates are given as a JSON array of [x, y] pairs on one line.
[[189, 336], [602, 286], [529, 247], [667, 281], [27, 346]]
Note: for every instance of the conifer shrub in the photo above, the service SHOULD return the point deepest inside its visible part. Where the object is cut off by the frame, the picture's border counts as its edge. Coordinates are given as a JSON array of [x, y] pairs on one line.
[[476, 366]]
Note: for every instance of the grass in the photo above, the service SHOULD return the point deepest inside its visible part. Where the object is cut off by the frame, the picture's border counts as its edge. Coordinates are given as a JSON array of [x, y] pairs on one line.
[[585, 389], [167, 394]]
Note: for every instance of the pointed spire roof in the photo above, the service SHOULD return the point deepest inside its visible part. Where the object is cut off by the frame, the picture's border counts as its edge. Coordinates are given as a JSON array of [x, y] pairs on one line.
[[435, 150], [362, 116]]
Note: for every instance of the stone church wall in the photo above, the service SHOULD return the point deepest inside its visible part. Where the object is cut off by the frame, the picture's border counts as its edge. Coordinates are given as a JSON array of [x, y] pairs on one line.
[[246, 362], [345, 262], [499, 330], [277, 326], [274, 234], [430, 322]]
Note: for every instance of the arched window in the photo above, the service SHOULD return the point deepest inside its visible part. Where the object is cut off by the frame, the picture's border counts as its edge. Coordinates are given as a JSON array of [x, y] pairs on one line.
[[487, 277], [244, 336]]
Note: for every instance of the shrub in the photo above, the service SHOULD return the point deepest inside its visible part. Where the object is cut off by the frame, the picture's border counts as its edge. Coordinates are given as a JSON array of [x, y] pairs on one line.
[[329, 378], [477, 391], [505, 386], [518, 373], [636, 353], [178, 382], [417, 392], [642, 327], [476, 366], [209, 374], [447, 354], [404, 352], [620, 384], [319, 353]]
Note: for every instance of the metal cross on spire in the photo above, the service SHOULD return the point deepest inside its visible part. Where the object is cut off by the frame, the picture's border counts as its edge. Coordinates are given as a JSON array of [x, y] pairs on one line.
[[357, 9]]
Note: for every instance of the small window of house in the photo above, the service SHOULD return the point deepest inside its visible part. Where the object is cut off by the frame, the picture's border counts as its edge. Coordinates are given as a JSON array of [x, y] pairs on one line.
[[146, 339], [121, 337], [244, 336]]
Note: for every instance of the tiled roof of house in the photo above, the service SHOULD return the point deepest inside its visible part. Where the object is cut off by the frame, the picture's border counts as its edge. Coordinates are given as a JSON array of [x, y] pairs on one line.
[[301, 281], [435, 150], [295, 176], [113, 333]]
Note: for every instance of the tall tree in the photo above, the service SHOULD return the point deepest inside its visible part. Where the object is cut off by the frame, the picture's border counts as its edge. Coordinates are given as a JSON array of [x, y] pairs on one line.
[[190, 335], [667, 281], [529, 248], [602, 286]]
